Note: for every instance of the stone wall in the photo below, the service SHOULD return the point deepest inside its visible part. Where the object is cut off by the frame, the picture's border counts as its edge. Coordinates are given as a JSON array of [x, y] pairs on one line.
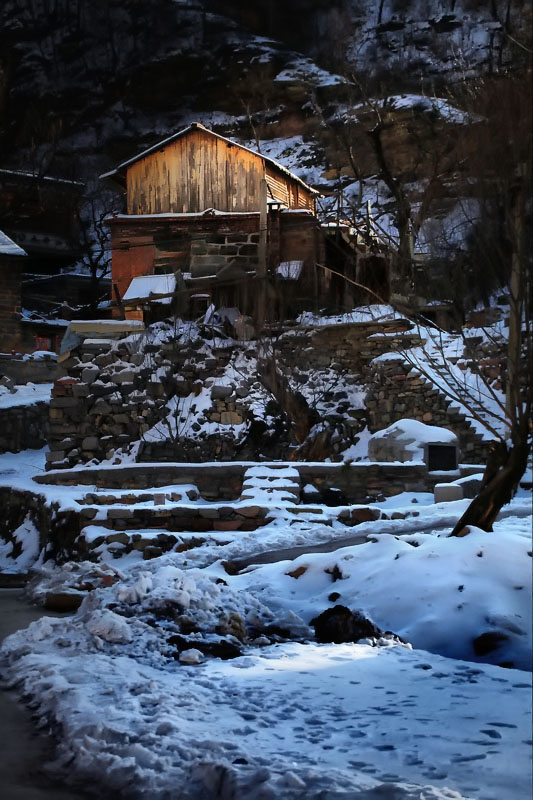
[[23, 427], [201, 244], [350, 483], [396, 391], [36, 370], [350, 346], [10, 282], [105, 400], [210, 254]]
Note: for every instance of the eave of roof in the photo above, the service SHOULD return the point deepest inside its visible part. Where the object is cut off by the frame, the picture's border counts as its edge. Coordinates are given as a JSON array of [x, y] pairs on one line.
[[199, 127], [32, 176], [10, 248]]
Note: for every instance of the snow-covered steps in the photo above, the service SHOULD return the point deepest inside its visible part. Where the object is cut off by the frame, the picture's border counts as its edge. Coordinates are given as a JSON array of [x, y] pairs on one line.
[[274, 486], [173, 494], [177, 517], [150, 542]]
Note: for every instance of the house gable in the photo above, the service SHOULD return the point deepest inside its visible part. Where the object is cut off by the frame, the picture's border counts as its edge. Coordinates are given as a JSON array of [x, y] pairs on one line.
[[196, 169]]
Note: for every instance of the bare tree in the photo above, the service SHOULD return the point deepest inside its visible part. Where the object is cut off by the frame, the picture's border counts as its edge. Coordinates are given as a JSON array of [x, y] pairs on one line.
[[502, 162], [95, 255]]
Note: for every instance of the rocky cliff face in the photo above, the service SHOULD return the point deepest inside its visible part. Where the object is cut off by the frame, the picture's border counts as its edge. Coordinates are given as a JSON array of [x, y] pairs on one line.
[[99, 80]]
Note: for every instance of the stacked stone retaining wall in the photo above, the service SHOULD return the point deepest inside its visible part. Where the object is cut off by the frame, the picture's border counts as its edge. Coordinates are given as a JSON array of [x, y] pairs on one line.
[[22, 370], [105, 400], [396, 391], [355, 482], [23, 427], [350, 346]]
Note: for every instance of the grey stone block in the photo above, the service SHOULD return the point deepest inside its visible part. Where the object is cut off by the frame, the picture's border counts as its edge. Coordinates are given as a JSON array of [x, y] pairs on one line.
[[90, 443], [219, 391], [89, 374], [446, 492]]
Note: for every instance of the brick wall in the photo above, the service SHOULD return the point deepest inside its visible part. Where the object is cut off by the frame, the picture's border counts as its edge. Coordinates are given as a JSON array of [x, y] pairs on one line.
[[141, 245], [10, 281]]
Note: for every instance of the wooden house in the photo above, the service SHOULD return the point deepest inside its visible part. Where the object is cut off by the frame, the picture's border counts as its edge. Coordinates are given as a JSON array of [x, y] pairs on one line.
[[39, 212], [221, 215]]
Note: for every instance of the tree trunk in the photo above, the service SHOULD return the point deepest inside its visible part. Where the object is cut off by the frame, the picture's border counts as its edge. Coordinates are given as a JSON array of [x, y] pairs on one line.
[[500, 482], [401, 279]]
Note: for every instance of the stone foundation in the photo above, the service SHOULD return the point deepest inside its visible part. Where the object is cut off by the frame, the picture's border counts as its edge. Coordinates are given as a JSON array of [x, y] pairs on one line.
[[105, 400]]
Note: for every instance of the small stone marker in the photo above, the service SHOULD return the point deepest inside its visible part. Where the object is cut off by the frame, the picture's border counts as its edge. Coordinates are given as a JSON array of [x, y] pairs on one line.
[[446, 492]]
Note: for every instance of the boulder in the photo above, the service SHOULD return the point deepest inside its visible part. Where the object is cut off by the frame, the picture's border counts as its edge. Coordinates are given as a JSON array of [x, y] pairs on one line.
[[220, 392], [339, 624], [90, 443], [90, 374], [63, 601]]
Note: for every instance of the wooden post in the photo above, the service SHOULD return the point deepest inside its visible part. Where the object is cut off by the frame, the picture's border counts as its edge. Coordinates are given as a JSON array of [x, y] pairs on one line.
[[262, 259], [118, 300]]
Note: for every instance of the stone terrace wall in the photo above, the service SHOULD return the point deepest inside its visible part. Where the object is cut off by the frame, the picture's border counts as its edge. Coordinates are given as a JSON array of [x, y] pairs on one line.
[[36, 370], [353, 483], [397, 392], [351, 346], [23, 427]]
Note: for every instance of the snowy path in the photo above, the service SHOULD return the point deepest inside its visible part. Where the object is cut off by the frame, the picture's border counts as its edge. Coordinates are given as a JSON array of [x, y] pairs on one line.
[[296, 718], [24, 751]]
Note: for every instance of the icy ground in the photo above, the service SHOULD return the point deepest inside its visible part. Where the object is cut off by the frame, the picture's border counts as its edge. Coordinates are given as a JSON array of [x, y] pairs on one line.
[[290, 718]]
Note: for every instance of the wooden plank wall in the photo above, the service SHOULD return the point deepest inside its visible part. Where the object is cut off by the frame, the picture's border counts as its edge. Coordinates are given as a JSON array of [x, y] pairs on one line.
[[200, 171], [196, 172], [287, 191]]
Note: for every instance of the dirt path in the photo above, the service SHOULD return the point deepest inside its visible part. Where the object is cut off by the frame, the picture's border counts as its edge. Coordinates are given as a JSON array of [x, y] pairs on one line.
[[290, 553], [23, 752]]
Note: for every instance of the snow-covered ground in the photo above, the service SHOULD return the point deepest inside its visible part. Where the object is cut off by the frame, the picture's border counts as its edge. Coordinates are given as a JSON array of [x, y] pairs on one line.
[[281, 715], [285, 719], [25, 394]]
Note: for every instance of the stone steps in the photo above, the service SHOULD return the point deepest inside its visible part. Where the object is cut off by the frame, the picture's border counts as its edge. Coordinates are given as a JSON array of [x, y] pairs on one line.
[[176, 517], [272, 484], [151, 542]]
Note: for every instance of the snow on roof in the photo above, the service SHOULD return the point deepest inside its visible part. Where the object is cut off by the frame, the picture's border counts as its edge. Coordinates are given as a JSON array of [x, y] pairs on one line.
[[22, 174], [209, 212], [103, 326], [290, 270], [9, 248], [150, 287], [198, 126]]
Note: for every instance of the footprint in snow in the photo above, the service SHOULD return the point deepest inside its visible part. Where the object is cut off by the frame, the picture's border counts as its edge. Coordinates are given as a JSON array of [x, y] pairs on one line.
[[501, 724], [492, 734], [462, 759]]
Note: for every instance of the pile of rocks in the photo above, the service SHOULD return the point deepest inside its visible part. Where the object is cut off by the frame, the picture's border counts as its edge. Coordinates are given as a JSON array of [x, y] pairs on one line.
[[108, 397], [227, 409]]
